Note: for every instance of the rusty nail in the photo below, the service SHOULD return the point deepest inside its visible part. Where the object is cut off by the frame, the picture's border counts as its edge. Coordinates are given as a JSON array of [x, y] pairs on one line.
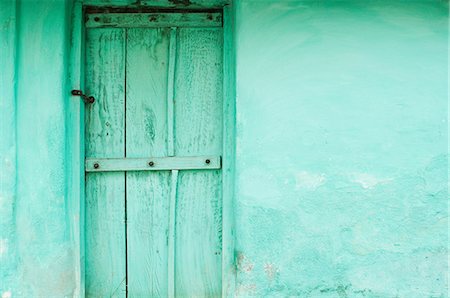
[[96, 19], [151, 163], [96, 166], [208, 161]]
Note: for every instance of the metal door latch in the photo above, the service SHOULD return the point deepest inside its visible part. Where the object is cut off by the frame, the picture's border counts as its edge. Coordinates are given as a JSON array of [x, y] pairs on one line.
[[86, 99]]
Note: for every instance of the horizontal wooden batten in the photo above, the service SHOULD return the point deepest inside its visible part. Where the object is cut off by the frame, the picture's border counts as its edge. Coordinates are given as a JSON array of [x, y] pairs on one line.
[[156, 20], [152, 164]]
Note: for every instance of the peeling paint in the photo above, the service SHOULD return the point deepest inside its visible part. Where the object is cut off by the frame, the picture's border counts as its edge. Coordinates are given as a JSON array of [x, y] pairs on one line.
[[3, 246], [309, 181], [271, 271], [369, 181], [341, 158], [341, 149]]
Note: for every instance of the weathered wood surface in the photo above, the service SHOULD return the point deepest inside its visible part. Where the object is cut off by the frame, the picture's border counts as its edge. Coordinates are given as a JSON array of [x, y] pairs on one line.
[[147, 192], [162, 3], [198, 126], [157, 163], [228, 159], [105, 137], [153, 20], [171, 106]]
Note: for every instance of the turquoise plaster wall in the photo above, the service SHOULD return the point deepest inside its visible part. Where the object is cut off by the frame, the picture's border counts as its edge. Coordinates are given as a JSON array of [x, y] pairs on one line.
[[342, 148], [341, 179], [36, 245]]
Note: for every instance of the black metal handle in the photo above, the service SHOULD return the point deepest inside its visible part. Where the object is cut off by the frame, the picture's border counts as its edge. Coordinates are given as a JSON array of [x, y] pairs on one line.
[[86, 99]]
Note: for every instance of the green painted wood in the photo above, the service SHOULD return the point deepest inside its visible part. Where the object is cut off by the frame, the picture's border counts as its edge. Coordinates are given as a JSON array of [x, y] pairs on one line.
[[158, 163], [229, 154], [172, 232], [161, 3], [174, 173], [198, 126], [105, 137], [153, 20], [172, 107], [170, 90], [147, 203]]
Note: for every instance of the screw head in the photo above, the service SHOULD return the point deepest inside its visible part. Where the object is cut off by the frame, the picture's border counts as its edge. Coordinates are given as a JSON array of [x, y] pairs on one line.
[[96, 166], [208, 161], [151, 163]]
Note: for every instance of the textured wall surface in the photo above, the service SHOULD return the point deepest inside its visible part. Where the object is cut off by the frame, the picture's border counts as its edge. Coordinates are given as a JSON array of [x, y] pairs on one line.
[[342, 148], [35, 241], [342, 167]]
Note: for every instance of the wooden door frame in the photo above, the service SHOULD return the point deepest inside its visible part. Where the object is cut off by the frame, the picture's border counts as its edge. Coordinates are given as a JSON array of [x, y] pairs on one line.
[[75, 141]]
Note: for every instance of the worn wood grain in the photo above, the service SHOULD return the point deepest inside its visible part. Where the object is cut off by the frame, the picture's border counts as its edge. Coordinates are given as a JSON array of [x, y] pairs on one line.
[[229, 154], [105, 192], [198, 126], [174, 173], [147, 192], [158, 163], [153, 20], [183, 4], [159, 84]]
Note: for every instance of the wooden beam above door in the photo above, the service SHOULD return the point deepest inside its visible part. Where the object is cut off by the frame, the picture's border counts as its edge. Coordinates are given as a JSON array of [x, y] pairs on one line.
[[153, 20], [179, 4]]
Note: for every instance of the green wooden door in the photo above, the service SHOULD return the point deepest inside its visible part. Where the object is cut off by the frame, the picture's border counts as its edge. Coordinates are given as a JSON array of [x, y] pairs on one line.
[[153, 146]]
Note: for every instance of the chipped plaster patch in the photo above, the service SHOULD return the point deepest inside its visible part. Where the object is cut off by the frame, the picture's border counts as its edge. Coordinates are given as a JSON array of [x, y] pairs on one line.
[[271, 270], [368, 181], [309, 181], [6, 294], [3, 247], [243, 264], [246, 290]]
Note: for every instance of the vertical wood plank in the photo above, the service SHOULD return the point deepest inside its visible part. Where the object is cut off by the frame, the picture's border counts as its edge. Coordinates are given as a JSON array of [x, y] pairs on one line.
[[147, 192], [174, 173], [229, 155], [198, 127], [171, 239], [170, 90], [105, 137]]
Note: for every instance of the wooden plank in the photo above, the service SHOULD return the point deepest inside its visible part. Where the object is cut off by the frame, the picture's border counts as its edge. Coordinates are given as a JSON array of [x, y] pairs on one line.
[[161, 3], [154, 20], [229, 154], [171, 238], [147, 192], [174, 173], [198, 127], [158, 163], [170, 90], [105, 137]]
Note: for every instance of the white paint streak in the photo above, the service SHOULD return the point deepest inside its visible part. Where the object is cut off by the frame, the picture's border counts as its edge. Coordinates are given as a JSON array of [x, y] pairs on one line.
[[6, 294], [309, 181], [3, 246], [368, 181]]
